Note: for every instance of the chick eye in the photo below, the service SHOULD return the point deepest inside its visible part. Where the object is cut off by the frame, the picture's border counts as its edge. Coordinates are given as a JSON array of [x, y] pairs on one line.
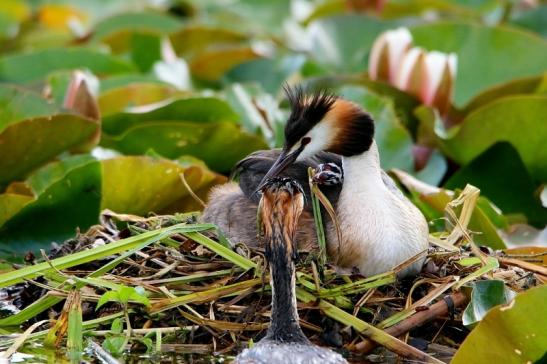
[[305, 141]]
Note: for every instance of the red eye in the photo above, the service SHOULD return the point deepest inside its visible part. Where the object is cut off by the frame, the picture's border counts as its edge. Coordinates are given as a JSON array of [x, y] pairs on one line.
[[305, 141]]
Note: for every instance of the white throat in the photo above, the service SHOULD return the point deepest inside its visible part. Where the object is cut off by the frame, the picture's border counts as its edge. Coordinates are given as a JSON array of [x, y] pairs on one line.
[[363, 171]]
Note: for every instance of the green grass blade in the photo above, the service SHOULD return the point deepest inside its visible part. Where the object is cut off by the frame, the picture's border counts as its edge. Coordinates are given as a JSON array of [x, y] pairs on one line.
[[30, 311], [221, 250], [10, 278], [319, 228], [359, 285], [74, 343]]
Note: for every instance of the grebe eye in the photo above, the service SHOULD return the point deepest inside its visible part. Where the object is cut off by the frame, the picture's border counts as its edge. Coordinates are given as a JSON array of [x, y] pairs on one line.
[[305, 141]]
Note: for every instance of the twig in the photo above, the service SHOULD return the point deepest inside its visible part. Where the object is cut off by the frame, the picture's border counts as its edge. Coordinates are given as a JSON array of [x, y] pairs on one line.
[[190, 191], [419, 318], [524, 265]]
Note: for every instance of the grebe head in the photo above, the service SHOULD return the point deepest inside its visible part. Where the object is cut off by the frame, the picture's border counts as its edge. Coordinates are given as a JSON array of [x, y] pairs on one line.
[[279, 210], [322, 122]]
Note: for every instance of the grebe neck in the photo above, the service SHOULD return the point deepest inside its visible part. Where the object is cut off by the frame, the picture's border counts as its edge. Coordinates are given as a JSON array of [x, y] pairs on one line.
[[363, 171], [284, 326]]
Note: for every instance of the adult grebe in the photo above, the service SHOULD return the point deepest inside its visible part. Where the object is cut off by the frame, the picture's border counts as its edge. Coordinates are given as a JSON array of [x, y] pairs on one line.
[[280, 208], [380, 227]]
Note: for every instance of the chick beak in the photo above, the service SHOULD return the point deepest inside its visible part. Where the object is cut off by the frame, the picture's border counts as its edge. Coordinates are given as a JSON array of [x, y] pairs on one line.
[[284, 160]]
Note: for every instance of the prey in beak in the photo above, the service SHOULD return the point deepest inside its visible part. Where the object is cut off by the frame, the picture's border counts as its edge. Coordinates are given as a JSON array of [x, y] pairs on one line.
[[285, 159]]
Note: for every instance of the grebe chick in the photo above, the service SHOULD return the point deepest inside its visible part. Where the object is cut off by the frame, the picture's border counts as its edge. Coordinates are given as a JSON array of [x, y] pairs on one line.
[[280, 208], [380, 227]]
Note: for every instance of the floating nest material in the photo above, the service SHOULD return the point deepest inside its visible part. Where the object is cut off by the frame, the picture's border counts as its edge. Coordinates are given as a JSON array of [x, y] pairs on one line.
[[207, 300]]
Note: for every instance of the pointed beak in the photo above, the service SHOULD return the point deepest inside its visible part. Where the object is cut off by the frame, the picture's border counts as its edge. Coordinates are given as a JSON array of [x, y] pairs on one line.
[[284, 160]]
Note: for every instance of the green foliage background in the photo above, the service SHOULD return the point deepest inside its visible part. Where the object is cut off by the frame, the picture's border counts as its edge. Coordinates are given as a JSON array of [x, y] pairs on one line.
[[217, 96]]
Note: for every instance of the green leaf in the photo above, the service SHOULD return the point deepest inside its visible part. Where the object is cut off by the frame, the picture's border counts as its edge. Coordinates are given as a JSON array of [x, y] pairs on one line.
[[486, 55], [193, 39], [513, 119], [514, 333], [117, 325], [62, 204], [484, 296], [145, 50], [200, 110], [528, 85], [533, 19], [118, 30], [126, 294], [115, 344], [157, 182], [495, 172], [109, 296], [270, 73], [462, 8], [30, 143], [116, 100], [19, 104], [212, 64], [343, 42], [11, 204], [33, 66], [202, 127]]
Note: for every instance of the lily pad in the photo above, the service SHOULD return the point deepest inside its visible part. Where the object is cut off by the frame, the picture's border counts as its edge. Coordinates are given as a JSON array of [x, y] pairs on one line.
[[119, 99], [67, 196], [32, 142], [211, 65], [514, 87], [10, 204], [512, 333], [220, 145], [33, 66], [18, 104], [494, 172], [204, 127], [533, 19], [343, 42], [140, 184], [270, 73], [516, 119], [193, 39], [486, 55], [484, 296], [194, 109], [117, 30]]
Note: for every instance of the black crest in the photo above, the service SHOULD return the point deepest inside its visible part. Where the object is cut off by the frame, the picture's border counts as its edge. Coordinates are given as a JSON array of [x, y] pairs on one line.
[[306, 112]]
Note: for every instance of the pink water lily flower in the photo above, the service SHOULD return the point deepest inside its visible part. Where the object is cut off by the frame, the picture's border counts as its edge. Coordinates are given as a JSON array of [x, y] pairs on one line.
[[429, 76], [387, 52]]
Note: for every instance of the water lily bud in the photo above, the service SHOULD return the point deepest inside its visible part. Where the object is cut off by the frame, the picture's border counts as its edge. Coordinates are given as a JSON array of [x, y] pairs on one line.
[[81, 95], [429, 76], [411, 75], [387, 52], [441, 69]]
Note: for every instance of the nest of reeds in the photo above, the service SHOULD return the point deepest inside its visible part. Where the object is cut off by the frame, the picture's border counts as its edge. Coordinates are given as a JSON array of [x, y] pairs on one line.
[[167, 284]]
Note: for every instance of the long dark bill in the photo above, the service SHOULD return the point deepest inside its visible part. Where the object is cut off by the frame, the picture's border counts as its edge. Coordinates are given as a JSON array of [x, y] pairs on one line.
[[284, 160]]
